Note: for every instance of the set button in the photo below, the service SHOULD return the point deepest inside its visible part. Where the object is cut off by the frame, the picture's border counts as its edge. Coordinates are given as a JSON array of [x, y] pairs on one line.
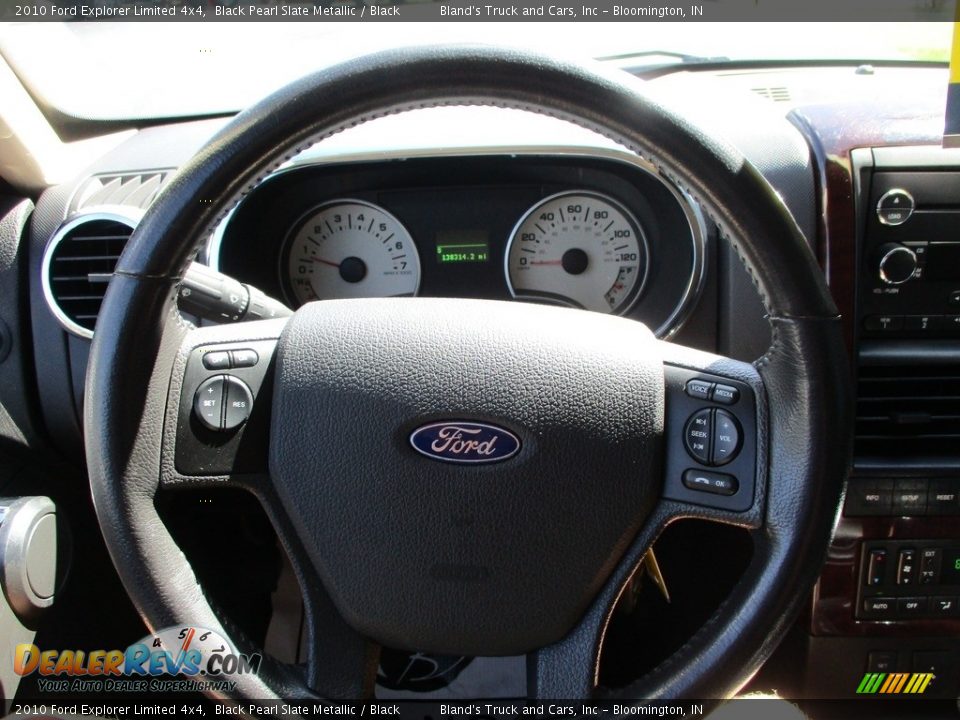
[[712, 437]]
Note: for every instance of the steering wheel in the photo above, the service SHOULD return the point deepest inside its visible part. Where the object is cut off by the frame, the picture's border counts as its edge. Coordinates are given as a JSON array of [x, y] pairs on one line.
[[525, 555]]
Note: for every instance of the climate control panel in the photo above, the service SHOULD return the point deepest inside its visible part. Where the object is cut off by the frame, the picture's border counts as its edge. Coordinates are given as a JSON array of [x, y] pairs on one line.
[[909, 580]]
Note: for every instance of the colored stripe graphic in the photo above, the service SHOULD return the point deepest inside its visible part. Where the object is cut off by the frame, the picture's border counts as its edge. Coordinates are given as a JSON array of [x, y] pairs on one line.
[[894, 683]]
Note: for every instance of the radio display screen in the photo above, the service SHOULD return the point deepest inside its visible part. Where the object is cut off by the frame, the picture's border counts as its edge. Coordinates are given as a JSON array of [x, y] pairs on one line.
[[943, 261]]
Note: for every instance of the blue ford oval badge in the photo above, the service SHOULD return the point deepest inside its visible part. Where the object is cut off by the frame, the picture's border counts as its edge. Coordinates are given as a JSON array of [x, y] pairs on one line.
[[464, 442]]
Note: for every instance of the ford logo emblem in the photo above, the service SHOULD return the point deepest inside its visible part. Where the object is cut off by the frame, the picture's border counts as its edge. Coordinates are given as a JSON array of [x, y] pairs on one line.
[[465, 442]]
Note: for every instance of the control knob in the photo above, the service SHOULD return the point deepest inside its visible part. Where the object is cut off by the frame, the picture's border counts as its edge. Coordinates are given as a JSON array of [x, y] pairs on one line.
[[898, 263]]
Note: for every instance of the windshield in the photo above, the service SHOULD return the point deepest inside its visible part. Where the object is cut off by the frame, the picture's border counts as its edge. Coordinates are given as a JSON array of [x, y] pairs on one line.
[[123, 71]]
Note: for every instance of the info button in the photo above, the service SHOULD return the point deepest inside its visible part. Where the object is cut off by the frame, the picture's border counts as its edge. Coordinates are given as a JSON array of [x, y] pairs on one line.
[[868, 497]]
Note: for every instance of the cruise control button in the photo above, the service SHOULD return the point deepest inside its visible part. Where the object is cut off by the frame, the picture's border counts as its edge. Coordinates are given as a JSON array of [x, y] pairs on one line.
[[726, 438], [238, 401], [699, 389], [710, 482], [219, 360], [697, 435], [726, 395], [244, 358], [208, 403]]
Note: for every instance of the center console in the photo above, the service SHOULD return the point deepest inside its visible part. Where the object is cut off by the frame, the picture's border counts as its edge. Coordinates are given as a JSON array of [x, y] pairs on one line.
[[887, 600]]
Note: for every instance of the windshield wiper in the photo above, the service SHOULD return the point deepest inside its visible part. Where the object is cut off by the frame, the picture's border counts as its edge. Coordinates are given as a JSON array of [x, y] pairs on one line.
[[669, 58]]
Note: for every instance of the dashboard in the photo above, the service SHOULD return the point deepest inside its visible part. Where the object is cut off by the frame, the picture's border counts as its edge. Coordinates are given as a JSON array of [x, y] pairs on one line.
[[487, 203]]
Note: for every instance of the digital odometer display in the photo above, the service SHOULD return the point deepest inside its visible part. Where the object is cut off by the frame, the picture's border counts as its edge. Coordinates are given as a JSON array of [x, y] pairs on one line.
[[462, 246]]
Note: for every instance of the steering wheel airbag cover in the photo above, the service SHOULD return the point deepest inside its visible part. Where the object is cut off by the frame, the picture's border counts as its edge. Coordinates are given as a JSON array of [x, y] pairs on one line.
[[461, 559]]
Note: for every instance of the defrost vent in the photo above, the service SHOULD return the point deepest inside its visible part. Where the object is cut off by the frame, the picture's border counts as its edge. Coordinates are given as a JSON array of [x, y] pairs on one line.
[[135, 190]]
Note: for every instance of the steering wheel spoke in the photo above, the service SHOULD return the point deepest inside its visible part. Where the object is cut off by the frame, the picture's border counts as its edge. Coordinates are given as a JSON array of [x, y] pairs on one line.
[[217, 425]]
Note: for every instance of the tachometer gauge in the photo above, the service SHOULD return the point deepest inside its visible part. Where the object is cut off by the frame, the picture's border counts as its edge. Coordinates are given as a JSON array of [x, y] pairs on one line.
[[578, 248], [350, 249]]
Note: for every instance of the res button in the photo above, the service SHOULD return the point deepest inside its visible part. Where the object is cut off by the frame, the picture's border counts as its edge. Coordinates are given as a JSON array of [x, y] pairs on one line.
[[238, 401]]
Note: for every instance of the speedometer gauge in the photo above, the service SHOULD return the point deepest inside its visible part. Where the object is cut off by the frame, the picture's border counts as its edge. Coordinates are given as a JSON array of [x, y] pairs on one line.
[[350, 249], [578, 248]]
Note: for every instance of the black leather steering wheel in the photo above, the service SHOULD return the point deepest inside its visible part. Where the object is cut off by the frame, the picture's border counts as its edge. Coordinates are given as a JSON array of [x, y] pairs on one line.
[[527, 555]]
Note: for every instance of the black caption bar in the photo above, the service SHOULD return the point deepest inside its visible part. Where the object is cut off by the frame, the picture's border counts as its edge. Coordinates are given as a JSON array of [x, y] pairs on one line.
[[517, 11], [755, 708]]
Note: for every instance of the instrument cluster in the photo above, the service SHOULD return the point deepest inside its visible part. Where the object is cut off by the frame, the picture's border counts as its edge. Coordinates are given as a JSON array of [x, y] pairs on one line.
[[599, 234]]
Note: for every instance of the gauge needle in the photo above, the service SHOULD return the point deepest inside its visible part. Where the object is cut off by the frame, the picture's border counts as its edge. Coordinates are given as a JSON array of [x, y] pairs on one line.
[[326, 262], [546, 262]]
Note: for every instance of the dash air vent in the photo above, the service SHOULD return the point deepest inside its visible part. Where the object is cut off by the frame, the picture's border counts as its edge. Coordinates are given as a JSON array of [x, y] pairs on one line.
[[776, 94], [78, 264], [908, 413]]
